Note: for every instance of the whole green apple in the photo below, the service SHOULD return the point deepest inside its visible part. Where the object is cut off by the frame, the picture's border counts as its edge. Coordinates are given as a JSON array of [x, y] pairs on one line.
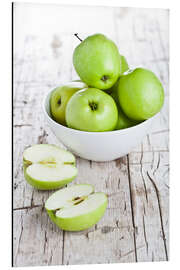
[[140, 94], [123, 120], [48, 166], [77, 207], [91, 109], [60, 97], [96, 60]]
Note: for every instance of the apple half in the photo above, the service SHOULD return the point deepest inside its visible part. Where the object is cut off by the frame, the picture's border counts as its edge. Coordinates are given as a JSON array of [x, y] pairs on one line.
[[48, 166], [77, 207]]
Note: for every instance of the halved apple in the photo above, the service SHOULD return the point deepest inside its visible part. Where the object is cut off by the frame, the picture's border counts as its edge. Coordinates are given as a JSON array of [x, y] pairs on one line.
[[77, 207], [48, 166]]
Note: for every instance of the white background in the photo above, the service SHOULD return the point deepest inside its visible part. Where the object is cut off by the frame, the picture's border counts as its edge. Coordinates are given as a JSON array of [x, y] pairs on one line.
[[5, 131]]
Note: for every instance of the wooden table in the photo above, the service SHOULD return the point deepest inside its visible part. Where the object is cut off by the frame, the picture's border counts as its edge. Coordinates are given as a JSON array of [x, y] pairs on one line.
[[135, 225]]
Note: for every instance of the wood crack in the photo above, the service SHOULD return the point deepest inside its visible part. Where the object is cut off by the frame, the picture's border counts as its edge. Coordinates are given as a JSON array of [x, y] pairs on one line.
[[145, 237], [144, 184], [160, 213], [22, 125], [119, 183], [63, 244], [131, 251], [42, 138], [90, 164], [158, 163], [28, 207], [20, 237], [132, 210], [45, 241]]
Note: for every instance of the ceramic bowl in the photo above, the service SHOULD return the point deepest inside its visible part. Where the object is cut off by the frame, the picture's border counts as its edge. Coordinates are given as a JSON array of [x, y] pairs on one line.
[[97, 146]]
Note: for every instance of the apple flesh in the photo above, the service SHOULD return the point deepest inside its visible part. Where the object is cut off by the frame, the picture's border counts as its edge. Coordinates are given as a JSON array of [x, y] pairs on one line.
[[93, 110], [140, 94], [48, 166], [60, 97], [76, 208], [96, 60]]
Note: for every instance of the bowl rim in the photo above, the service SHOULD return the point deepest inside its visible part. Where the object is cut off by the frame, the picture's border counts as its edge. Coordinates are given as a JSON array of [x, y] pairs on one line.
[[119, 131]]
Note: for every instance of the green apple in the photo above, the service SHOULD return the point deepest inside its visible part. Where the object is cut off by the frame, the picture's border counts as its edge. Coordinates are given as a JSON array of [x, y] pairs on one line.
[[76, 208], [140, 94], [48, 166], [91, 109], [96, 60], [60, 97], [124, 121], [123, 68], [123, 64]]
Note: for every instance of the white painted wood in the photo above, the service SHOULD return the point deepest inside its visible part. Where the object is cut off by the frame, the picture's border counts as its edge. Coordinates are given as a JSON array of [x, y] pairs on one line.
[[135, 225], [149, 193]]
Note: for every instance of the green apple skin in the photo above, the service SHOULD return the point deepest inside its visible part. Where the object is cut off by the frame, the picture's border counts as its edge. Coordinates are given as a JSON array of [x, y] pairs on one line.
[[140, 94], [123, 68], [60, 97], [80, 222], [46, 185], [123, 64], [92, 110], [96, 60], [124, 122]]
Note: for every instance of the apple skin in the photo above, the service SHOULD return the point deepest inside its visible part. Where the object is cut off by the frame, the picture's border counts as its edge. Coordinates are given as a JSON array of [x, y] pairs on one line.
[[123, 64], [123, 68], [60, 97], [80, 222], [92, 110], [96, 60], [44, 185], [140, 94], [123, 121]]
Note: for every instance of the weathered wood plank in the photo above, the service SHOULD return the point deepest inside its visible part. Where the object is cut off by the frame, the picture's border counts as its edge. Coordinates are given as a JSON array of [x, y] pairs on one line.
[[149, 189], [147, 49], [36, 240]]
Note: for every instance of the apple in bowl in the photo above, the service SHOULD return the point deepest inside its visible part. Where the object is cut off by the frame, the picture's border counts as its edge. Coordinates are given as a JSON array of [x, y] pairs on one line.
[[60, 97], [97, 146], [91, 110]]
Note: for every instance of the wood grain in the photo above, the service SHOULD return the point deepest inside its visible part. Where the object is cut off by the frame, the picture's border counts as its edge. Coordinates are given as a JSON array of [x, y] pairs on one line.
[[135, 225]]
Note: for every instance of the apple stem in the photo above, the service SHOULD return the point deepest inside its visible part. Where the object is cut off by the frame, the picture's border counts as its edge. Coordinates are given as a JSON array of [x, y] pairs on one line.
[[76, 35]]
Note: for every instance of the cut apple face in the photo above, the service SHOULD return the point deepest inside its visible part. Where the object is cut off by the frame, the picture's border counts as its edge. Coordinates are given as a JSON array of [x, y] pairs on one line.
[[48, 166], [77, 207]]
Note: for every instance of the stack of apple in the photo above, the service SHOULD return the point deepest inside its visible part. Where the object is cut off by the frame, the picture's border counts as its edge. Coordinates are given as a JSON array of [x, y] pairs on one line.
[[109, 95]]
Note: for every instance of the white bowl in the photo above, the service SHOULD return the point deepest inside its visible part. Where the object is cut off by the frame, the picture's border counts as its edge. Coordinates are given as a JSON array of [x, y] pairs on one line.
[[98, 146]]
